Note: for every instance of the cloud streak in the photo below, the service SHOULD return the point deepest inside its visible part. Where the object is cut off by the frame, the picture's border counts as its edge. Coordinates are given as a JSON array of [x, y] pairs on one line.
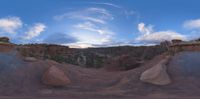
[[108, 4], [90, 26], [93, 28], [92, 14]]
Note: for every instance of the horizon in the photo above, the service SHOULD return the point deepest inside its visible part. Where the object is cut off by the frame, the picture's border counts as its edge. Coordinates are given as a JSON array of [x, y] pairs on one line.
[[93, 23]]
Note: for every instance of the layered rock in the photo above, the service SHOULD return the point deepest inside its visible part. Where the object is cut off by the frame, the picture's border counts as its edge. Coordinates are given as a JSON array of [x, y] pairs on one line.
[[157, 75], [55, 77]]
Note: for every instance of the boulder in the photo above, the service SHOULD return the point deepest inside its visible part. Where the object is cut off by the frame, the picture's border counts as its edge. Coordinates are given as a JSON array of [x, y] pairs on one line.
[[30, 59], [157, 75], [55, 77]]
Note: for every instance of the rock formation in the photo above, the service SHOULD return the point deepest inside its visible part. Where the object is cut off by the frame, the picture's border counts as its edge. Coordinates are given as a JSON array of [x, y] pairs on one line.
[[4, 40], [55, 77], [157, 74]]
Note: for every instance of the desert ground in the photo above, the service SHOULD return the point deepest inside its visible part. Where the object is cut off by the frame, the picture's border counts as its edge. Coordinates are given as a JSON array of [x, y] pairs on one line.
[[176, 77]]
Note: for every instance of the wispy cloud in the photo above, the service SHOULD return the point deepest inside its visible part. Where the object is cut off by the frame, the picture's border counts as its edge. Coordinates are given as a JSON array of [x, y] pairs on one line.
[[108, 4], [98, 15], [93, 28], [128, 13], [91, 34], [10, 24], [90, 26], [34, 31]]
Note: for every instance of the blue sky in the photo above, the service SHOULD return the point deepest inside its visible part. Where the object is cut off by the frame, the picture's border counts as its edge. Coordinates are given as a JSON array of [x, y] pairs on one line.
[[95, 23]]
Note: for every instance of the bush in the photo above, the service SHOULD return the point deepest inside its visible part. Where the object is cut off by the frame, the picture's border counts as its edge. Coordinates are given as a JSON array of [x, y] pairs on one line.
[[58, 58]]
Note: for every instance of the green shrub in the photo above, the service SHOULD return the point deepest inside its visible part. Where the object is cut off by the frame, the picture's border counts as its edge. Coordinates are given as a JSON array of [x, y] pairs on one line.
[[58, 58]]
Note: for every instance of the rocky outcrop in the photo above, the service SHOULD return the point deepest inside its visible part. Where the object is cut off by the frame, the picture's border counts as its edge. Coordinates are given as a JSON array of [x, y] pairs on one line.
[[55, 77], [157, 75], [4, 40]]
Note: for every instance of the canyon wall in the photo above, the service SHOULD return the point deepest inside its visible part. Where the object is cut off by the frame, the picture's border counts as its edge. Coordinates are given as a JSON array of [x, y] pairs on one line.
[[93, 57]]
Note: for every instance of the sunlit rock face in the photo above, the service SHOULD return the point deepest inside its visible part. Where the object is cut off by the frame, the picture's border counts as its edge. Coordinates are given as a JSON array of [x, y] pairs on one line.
[[188, 63], [157, 75]]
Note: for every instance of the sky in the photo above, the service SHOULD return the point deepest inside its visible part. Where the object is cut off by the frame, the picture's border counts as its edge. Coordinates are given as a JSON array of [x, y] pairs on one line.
[[99, 23]]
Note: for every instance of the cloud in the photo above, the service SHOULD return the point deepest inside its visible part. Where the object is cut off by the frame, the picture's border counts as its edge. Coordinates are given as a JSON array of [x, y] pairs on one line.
[[126, 12], [157, 37], [92, 33], [34, 31], [145, 29], [92, 14], [108, 4], [192, 24], [87, 37], [80, 45], [59, 38], [149, 36], [92, 27], [10, 24]]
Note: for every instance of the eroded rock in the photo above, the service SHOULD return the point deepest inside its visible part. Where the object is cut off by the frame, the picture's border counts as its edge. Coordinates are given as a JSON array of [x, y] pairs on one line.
[[157, 75], [55, 77]]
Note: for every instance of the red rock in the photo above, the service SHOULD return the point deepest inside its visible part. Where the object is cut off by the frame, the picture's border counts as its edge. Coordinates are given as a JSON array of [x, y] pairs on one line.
[[157, 75], [55, 77]]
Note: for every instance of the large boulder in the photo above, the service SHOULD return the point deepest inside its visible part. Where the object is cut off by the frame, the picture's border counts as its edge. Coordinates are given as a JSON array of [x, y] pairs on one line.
[[55, 77], [157, 75]]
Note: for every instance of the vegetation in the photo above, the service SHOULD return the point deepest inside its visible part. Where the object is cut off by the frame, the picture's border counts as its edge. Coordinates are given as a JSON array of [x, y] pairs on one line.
[[58, 58]]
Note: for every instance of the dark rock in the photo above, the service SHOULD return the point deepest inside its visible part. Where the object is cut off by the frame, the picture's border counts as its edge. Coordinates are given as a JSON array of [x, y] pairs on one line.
[[4, 39]]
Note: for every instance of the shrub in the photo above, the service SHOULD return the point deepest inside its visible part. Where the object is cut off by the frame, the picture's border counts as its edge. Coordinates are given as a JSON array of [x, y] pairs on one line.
[[58, 58]]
